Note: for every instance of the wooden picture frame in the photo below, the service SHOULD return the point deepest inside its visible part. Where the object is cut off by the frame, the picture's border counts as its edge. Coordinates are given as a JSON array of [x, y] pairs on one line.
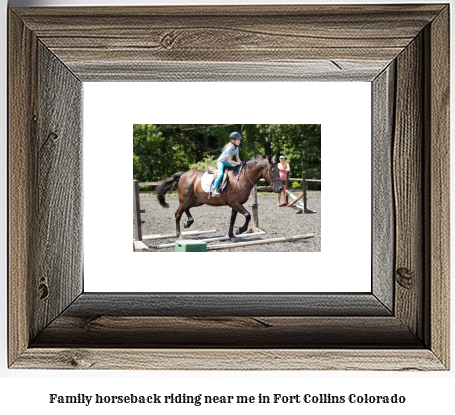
[[403, 324]]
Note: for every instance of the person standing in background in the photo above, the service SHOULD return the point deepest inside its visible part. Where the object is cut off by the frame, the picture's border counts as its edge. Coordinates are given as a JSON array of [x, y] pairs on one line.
[[284, 169]]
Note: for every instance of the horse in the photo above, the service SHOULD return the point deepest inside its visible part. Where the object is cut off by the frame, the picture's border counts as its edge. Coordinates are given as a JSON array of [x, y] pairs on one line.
[[240, 182]]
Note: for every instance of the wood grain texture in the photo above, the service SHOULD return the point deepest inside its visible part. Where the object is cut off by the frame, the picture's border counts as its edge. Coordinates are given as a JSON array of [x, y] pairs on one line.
[[156, 71], [22, 130], [56, 48], [229, 359], [90, 305], [257, 332], [44, 187], [408, 187], [57, 238], [437, 171], [227, 34], [383, 215]]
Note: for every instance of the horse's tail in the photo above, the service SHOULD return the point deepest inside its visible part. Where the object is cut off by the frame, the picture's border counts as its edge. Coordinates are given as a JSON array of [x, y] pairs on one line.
[[165, 186]]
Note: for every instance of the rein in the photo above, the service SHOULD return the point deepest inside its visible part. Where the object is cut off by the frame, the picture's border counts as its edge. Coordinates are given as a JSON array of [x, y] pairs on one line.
[[244, 173], [241, 167]]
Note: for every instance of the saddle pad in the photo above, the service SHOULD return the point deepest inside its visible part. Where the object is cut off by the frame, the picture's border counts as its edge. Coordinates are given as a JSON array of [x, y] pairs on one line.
[[206, 182]]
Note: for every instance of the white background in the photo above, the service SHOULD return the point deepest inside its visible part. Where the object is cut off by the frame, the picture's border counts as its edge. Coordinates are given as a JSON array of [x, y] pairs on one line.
[[342, 108], [27, 391]]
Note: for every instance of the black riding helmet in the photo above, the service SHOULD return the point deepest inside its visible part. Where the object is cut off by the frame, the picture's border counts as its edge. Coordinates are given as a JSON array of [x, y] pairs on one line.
[[234, 136]]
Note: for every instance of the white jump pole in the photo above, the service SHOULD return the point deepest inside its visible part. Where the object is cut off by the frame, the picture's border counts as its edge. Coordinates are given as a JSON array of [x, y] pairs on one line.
[[264, 241], [174, 235], [137, 245], [295, 198], [220, 238]]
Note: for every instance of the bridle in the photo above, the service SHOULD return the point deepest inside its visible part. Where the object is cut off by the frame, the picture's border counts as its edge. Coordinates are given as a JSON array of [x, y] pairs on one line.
[[272, 181]]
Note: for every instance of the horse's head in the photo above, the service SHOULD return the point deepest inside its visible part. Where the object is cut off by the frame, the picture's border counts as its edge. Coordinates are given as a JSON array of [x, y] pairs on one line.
[[271, 173]]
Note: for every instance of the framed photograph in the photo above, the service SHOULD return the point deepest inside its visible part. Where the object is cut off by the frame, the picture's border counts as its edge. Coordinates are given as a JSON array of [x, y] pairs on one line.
[[339, 112], [402, 323]]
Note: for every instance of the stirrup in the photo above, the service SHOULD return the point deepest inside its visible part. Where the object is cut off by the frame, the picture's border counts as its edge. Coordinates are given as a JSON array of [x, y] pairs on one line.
[[215, 193]]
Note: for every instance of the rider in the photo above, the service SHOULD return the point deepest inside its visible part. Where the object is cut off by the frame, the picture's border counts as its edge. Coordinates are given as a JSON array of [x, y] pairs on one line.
[[230, 150]]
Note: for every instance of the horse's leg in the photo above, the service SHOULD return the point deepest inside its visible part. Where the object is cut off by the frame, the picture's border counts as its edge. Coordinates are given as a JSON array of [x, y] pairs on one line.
[[184, 206], [178, 215], [231, 225], [190, 220], [237, 207], [185, 194]]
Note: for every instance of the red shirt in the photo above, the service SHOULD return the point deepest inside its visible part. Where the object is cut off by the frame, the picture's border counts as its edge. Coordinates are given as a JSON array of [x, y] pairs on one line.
[[282, 169]]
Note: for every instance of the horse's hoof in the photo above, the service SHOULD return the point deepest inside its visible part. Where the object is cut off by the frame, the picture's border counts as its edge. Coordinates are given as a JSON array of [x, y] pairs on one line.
[[238, 231]]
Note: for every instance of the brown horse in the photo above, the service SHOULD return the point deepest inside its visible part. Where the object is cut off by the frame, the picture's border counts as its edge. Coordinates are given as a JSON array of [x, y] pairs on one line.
[[240, 182]]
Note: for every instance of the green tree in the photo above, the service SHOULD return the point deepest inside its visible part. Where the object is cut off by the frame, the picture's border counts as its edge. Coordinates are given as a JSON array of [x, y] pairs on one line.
[[147, 142], [160, 150], [299, 143]]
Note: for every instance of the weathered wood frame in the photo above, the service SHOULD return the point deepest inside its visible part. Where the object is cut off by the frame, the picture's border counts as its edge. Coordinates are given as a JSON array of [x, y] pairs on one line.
[[403, 50]]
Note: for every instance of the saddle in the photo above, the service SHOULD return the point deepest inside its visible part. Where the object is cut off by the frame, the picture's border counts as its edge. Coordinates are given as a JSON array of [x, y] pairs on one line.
[[215, 172]]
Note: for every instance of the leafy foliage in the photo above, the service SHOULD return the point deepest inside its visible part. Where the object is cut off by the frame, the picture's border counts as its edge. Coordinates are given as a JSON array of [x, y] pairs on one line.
[[202, 165], [160, 150]]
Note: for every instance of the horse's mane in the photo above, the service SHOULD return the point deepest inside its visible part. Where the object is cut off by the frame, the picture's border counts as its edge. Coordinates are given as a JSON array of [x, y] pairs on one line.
[[256, 161]]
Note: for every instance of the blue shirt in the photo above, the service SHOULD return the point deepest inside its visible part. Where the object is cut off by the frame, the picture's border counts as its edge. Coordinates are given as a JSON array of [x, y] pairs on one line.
[[229, 151]]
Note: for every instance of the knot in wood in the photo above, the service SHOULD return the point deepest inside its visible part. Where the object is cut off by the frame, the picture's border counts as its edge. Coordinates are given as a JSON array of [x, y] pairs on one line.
[[43, 291], [169, 39], [53, 136], [76, 359], [405, 278]]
